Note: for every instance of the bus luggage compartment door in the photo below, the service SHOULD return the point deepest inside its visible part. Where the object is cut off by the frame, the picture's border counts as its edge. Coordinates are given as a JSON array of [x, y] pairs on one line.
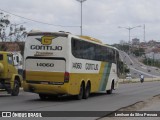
[[46, 71]]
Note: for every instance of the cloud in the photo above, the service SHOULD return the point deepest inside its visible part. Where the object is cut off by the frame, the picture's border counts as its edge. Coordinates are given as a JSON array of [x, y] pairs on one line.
[[101, 18]]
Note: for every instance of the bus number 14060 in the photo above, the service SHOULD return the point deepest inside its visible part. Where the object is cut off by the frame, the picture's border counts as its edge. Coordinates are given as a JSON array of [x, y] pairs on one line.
[[45, 64]]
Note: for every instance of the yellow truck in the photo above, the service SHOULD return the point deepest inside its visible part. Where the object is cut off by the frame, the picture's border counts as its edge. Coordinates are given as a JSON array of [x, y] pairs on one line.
[[10, 80]]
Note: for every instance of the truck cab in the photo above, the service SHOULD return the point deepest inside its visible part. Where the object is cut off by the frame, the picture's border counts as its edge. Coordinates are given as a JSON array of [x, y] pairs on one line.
[[10, 80]]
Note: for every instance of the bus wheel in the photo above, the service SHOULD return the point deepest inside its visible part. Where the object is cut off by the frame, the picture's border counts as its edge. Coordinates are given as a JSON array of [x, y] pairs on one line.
[[80, 95], [53, 97], [15, 90], [111, 90], [87, 91], [43, 96]]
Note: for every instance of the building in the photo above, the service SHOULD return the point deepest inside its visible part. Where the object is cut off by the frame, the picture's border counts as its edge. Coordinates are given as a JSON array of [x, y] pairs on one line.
[[154, 54], [12, 46], [135, 41]]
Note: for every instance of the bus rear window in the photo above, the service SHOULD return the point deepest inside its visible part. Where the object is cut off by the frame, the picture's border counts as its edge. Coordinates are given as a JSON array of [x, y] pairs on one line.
[[1, 57]]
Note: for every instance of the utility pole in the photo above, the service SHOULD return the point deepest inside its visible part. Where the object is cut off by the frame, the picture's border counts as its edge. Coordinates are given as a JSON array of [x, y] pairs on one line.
[[144, 33], [129, 29], [81, 1]]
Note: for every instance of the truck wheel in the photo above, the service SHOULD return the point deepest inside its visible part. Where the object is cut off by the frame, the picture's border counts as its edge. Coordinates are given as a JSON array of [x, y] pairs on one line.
[[86, 91], [80, 95], [15, 90]]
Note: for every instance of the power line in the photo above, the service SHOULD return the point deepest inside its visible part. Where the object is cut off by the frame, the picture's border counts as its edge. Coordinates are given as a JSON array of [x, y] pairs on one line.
[[36, 20]]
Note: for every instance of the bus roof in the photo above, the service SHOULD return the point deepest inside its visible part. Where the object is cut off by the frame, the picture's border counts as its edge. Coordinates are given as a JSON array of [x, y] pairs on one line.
[[65, 34], [37, 33], [91, 39]]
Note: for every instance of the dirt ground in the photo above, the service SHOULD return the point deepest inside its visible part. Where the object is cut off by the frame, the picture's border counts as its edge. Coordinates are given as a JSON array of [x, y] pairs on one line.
[[152, 104]]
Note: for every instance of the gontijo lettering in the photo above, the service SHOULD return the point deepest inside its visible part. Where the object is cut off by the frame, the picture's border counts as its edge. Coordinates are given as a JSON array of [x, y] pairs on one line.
[[90, 66], [45, 41], [41, 47]]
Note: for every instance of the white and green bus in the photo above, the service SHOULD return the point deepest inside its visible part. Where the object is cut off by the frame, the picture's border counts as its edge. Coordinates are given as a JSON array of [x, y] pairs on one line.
[[58, 63]]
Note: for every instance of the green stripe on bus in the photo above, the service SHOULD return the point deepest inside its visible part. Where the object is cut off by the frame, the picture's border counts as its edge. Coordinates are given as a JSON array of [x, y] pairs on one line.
[[105, 77]]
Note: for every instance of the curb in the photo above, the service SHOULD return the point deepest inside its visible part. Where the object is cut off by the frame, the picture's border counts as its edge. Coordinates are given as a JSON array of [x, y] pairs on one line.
[[121, 81]]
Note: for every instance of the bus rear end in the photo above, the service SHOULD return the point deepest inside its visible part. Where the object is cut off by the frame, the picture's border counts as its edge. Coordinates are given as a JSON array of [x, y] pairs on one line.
[[45, 68]]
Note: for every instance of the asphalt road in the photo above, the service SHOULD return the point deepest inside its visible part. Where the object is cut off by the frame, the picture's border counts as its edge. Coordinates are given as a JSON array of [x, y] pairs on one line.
[[137, 68], [126, 94]]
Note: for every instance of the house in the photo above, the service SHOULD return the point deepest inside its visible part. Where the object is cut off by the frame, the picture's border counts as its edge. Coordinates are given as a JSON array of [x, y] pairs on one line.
[[154, 54]]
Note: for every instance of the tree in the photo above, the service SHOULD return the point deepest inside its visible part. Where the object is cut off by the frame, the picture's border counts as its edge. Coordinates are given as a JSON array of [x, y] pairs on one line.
[[3, 47], [15, 33], [4, 22], [122, 47]]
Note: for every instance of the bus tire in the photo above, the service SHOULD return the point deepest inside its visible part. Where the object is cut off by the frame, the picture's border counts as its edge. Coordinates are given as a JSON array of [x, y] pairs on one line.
[[80, 95], [15, 90], [42, 96], [87, 91], [111, 90], [53, 97]]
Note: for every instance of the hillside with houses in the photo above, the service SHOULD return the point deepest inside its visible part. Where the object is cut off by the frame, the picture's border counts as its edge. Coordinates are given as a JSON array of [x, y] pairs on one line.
[[12, 46], [146, 52]]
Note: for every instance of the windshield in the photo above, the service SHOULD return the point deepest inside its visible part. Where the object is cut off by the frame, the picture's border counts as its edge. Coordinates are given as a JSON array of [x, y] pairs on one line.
[[10, 59]]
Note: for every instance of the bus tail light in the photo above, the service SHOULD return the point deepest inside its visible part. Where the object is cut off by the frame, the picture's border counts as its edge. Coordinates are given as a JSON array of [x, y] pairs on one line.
[[66, 77]]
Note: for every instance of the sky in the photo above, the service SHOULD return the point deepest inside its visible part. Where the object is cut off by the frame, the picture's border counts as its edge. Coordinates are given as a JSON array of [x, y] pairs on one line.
[[101, 18]]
